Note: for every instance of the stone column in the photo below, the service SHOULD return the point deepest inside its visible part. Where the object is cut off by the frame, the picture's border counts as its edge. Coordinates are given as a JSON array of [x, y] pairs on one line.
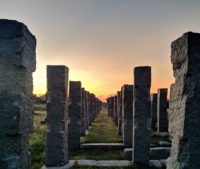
[[17, 62], [141, 111], [162, 105], [119, 113], [112, 107], [127, 114], [154, 111], [57, 104], [184, 105], [74, 114], [87, 109], [83, 113], [115, 111]]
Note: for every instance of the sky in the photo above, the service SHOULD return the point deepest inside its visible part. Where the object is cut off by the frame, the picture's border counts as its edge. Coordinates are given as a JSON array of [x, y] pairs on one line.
[[101, 41]]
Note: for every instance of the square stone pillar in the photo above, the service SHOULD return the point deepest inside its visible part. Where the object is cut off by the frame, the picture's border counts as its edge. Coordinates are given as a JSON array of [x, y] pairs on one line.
[[17, 62], [162, 105], [141, 111], [87, 109], [119, 113], [154, 111], [74, 114], [112, 107], [127, 114], [184, 105], [57, 115], [83, 113], [115, 111]]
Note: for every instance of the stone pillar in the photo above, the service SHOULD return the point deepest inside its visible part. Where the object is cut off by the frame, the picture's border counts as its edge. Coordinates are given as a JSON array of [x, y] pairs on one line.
[[184, 105], [119, 113], [17, 62], [57, 129], [154, 111], [162, 105], [115, 111], [127, 114], [74, 114], [83, 113], [87, 109], [112, 107], [141, 111]]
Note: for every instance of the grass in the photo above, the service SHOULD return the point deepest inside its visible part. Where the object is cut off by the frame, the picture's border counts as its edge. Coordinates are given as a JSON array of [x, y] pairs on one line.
[[103, 130], [96, 154], [37, 140]]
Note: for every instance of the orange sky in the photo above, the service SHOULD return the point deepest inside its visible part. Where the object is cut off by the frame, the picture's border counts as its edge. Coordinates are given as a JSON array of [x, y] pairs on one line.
[[102, 41]]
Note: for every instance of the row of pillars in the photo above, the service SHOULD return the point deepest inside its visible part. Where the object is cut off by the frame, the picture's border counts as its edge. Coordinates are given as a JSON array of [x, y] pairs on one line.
[[67, 119], [180, 115], [120, 108], [18, 61]]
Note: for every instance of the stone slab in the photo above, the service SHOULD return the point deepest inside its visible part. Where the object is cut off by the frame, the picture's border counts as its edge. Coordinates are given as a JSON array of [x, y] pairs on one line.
[[102, 145], [104, 163], [61, 167]]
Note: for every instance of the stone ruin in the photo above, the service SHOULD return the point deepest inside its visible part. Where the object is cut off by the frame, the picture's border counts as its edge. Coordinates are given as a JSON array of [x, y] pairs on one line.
[[67, 119], [17, 62]]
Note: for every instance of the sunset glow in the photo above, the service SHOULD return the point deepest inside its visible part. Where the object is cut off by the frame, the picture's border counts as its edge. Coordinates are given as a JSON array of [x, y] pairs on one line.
[[102, 41]]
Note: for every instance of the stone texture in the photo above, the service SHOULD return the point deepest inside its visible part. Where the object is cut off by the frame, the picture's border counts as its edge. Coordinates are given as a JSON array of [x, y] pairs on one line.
[[154, 111], [162, 105], [141, 111], [127, 114], [115, 111], [87, 109], [119, 113], [83, 112], [74, 132], [57, 105], [184, 107], [17, 62]]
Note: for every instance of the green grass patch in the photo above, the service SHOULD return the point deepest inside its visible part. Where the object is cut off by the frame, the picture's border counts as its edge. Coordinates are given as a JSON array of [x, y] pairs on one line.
[[37, 139], [103, 130], [96, 154]]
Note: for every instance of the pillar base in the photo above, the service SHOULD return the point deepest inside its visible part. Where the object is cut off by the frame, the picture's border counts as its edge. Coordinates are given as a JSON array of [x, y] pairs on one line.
[[60, 167]]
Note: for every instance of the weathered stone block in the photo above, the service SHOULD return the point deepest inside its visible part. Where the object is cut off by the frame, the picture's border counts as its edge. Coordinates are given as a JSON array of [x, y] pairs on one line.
[[57, 115], [184, 107], [74, 114], [141, 111], [154, 111], [17, 62], [127, 114], [162, 105], [119, 113]]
